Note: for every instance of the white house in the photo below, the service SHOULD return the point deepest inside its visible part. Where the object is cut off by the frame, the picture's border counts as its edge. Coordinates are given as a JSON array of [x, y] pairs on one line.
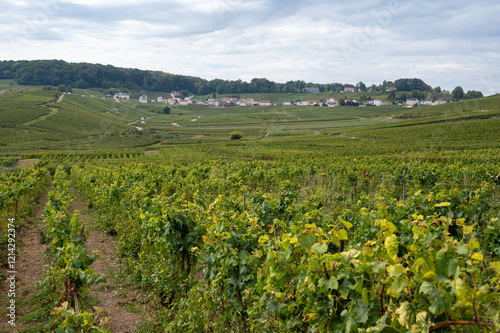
[[122, 96], [377, 102], [412, 101], [264, 103], [286, 103], [143, 99], [332, 102]]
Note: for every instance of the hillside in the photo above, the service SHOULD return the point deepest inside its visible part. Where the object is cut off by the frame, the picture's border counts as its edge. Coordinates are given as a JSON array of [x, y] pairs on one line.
[[34, 121]]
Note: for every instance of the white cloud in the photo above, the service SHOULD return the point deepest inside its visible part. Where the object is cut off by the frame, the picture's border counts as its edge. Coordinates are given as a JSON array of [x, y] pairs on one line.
[[445, 43]]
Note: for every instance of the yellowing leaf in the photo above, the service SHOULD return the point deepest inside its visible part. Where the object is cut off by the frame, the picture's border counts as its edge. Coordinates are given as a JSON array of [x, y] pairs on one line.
[[294, 240], [478, 256], [391, 245], [442, 204], [468, 229]]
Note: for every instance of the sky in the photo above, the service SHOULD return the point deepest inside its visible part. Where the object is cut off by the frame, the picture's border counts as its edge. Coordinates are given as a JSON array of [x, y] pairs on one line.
[[445, 43]]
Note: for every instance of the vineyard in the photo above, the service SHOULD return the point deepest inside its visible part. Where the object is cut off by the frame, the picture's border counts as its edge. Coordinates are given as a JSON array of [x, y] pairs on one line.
[[391, 227]]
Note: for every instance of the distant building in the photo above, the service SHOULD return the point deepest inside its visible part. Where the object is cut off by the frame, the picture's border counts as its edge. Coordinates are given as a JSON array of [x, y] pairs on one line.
[[122, 96], [143, 99], [390, 88], [264, 103], [2, 92], [311, 90], [105, 96], [348, 89], [332, 102], [412, 101], [377, 102], [286, 103]]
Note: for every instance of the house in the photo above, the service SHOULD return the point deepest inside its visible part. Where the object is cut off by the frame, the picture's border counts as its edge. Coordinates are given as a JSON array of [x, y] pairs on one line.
[[377, 102], [311, 90], [441, 101], [172, 101], [143, 99], [428, 101], [348, 89], [121, 96], [105, 96], [2, 92], [313, 102], [264, 103], [332, 102], [286, 103], [230, 100], [411, 101], [175, 94], [185, 102], [390, 88]]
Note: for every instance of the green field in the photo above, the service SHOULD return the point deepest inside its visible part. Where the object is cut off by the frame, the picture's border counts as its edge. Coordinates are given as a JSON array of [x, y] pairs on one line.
[[346, 219]]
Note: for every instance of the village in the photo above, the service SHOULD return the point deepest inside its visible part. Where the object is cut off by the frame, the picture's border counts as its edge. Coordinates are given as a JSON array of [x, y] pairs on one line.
[[174, 99]]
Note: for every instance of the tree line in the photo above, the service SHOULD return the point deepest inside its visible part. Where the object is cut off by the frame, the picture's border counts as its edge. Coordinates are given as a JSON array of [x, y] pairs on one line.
[[86, 75]]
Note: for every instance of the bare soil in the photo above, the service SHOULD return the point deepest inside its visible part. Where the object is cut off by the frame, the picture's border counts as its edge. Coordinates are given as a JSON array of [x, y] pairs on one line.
[[116, 301]]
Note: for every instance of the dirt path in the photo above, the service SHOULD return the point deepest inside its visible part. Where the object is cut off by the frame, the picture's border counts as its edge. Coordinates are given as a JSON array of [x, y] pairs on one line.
[[29, 264], [116, 301]]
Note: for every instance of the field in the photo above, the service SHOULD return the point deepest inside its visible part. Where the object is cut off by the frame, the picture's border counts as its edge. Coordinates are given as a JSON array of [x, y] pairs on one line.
[[347, 219]]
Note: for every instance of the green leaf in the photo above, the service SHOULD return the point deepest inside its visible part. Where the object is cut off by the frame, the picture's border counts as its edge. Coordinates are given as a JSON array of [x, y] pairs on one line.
[[428, 289], [361, 311], [364, 294], [463, 250], [342, 234], [320, 248], [407, 314], [333, 283], [439, 304], [307, 241], [391, 245], [398, 285], [445, 265]]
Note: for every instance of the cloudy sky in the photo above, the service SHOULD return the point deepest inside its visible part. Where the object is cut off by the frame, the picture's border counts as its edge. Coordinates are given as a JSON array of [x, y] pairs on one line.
[[444, 42]]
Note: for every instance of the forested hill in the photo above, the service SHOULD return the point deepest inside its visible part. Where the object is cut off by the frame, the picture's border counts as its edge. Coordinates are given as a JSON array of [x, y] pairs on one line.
[[86, 75]]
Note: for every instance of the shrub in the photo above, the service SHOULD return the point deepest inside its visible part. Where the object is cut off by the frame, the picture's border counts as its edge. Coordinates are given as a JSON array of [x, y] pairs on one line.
[[235, 135]]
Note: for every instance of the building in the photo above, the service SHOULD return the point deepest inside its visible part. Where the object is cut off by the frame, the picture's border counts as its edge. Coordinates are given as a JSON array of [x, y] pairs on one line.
[[411, 101], [122, 96], [390, 89], [286, 103], [332, 102], [2, 92], [264, 103], [377, 102], [311, 90], [143, 99], [348, 89]]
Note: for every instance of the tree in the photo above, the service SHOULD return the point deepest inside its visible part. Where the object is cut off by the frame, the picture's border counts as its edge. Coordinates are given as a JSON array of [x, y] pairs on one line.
[[341, 102], [437, 89], [166, 110], [458, 93], [473, 94], [392, 95], [235, 135], [360, 86], [61, 88]]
